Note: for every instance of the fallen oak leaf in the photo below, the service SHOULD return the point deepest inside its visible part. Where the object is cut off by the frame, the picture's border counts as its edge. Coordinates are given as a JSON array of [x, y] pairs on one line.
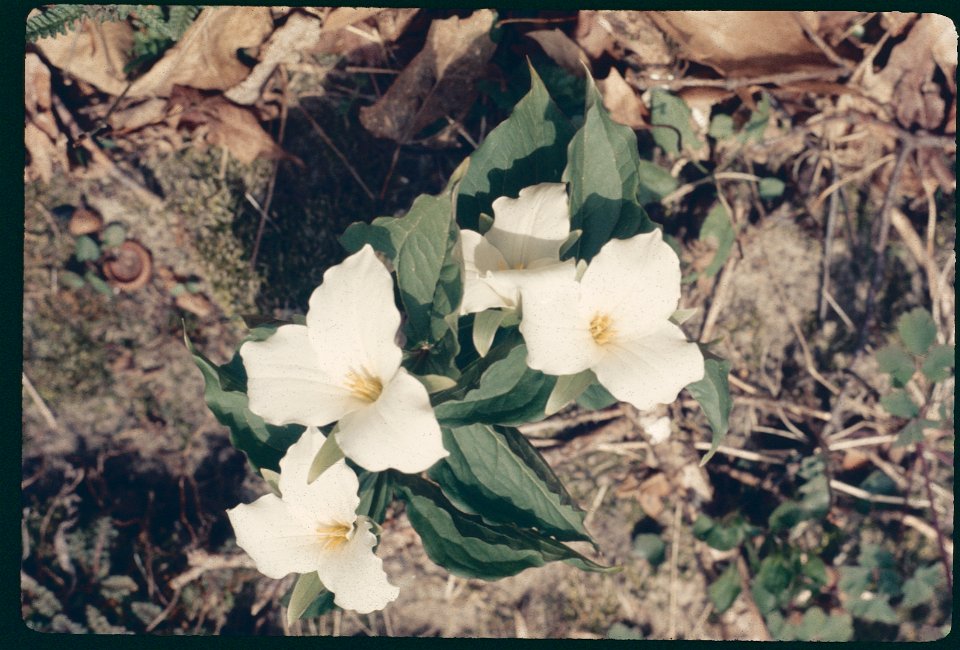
[[562, 50], [622, 101], [438, 82], [95, 53]]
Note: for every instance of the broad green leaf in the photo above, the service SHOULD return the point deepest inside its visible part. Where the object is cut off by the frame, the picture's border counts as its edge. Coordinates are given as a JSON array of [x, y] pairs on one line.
[[508, 393], [224, 392], [876, 610], [497, 472], [899, 403], [85, 249], [770, 187], [436, 383], [321, 604], [713, 394], [603, 175], [485, 326], [853, 580], [306, 590], [725, 589], [113, 235], [910, 434], [567, 389], [718, 227], [376, 493], [939, 362], [650, 547], [756, 126], [873, 556], [273, 480], [596, 397], [770, 587], [815, 569], [787, 515], [526, 149], [621, 632], [71, 279], [328, 454], [468, 547], [919, 588], [655, 182], [672, 122], [895, 361], [917, 330]]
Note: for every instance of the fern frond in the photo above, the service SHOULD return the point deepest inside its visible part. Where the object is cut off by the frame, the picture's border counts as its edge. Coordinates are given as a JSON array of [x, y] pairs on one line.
[[56, 19], [181, 17]]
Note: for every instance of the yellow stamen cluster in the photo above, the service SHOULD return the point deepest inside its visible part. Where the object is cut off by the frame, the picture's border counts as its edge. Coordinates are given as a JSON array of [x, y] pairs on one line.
[[333, 536], [364, 386], [601, 329]]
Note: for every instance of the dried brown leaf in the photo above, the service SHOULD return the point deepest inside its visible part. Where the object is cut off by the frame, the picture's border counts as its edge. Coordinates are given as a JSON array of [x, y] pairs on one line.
[[150, 111], [635, 32], [285, 45], [95, 53], [343, 16], [742, 43], [220, 122], [206, 56], [591, 35], [438, 82], [622, 101], [896, 22], [562, 50]]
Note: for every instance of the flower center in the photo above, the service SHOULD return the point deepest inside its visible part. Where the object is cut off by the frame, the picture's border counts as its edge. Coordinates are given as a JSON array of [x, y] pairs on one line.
[[502, 266], [601, 329], [364, 386], [333, 536]]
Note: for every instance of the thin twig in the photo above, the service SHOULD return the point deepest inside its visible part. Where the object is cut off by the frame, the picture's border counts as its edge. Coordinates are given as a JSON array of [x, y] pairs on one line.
[[393, 165], [741, 453], [828, 249], [273, 175], [44, 409], [674, 562], [947, 564], [323, 136], [846, 488], [820, 43], [782, 79], [861, 442]]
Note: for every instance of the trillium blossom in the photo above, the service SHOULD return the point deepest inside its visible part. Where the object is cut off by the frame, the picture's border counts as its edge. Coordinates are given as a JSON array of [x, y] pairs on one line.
[[344, 364], [522, 244], [314, 527], [614, 321]]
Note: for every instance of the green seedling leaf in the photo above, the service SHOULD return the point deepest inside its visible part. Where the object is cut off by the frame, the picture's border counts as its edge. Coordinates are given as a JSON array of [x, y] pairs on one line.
[[917, 330], [485, 326], [655, 182], [770, 187], [596, 397], [681, 316], [98, 284], [273, 480], [873, 556], [895, 361], [567, 389], [603, 175], [376, 493], [496, 471], [939, 363], [899, 403], [875, 610], [725, 589], [853, 580], [621, 632], [650, 547], [113, 235], [919, 588], [86, 250], [469, 547], [817, 626], [756, 126], [527, 148], [910, 434], [194, 287], [178, 290], [718, 227], [713, 394], [673, 122], [71, 279], [721, 126]]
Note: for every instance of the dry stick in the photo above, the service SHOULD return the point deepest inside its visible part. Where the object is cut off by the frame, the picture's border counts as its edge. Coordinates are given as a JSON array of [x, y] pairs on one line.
[[393, 165], [827, 250], [732, 84], [920, 253], [936, 521], [674, 561], [846, 488], [820, 43], [323, 136], [35, 396]]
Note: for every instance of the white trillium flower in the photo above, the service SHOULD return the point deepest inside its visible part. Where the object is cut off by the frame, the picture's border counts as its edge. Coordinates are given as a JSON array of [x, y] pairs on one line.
[[314, 527], [614, 321], [522, 244], [344, 364]]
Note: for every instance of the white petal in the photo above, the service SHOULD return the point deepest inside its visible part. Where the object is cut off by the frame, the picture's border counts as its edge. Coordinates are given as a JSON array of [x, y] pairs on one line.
[[355, 574], [479, 255], [636, 281], [531, 227], [353, 320], [554, 329], [397, 431], [330, 498], [650, 370], [286, 382], [276, 535]]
